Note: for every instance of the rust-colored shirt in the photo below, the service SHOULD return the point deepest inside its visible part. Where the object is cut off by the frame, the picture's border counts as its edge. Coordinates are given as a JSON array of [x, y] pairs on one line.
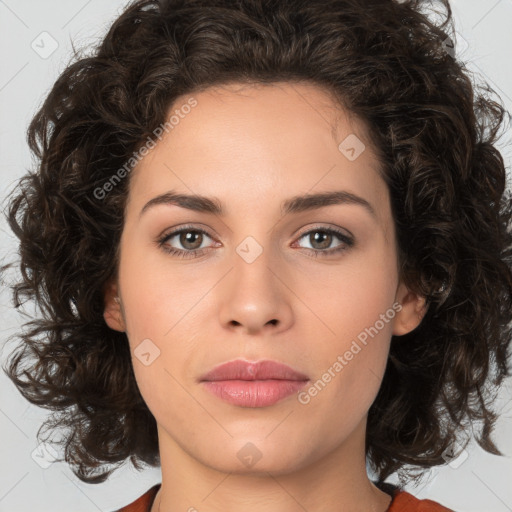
[[402, 502]]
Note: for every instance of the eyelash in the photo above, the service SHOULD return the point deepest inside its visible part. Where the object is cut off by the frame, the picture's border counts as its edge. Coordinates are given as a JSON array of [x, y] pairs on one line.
[[347, 241]]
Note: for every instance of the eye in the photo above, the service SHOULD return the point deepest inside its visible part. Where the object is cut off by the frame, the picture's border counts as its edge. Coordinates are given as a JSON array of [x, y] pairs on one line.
[[190, 238], [192, 241], [321, 239]]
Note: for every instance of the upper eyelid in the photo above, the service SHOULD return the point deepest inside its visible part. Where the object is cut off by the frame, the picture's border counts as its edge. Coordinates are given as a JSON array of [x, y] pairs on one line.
[[324, 228], [179, 230]]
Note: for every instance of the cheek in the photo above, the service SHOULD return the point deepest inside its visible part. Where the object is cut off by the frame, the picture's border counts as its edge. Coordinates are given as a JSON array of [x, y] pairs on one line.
[[353, 296], [157, 297], [356, 308], [348, 373], [164, 312]]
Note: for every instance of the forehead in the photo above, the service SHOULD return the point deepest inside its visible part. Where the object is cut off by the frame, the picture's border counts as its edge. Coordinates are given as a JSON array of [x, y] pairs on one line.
[[246, 142], [303, 101]]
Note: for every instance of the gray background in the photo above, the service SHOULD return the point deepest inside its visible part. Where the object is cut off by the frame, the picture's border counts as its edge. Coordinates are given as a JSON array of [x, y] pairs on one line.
[[35, 39]]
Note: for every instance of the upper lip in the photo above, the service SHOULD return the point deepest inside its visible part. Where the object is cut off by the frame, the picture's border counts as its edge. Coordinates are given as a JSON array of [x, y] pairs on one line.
[[247, 370]]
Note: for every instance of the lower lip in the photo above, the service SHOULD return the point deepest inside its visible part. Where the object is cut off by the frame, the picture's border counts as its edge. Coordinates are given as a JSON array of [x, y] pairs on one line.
[[254, 393]]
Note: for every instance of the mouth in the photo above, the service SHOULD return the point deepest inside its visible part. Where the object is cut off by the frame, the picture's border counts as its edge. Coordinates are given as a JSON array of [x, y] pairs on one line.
[[253, 384]]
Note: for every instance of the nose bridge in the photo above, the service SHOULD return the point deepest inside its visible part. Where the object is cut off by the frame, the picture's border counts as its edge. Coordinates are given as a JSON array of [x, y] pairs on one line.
[[253, 273]]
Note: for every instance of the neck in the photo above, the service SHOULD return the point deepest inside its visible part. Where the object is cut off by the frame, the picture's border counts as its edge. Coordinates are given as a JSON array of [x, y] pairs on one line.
[[336, 481]]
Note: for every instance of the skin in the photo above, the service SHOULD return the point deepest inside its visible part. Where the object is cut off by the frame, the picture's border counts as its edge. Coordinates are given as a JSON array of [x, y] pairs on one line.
[[252, 147]]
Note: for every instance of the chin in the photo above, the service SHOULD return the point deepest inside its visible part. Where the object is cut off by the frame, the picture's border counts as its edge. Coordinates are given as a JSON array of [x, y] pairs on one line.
[[254, 457]]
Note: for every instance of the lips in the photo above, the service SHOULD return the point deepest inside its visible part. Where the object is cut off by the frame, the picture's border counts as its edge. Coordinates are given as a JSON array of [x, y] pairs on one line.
[[253, 384], [245, 370]]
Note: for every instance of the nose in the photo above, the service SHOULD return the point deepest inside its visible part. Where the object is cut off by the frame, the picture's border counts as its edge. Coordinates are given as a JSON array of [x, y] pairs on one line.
[[255, 297]]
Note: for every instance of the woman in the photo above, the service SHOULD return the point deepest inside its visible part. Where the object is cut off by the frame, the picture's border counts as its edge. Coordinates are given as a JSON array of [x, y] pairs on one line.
[[270, 243]]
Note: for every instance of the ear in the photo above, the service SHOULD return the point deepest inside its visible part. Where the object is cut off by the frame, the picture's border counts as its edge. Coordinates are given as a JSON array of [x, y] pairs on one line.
[[112, 312], [413, 310]]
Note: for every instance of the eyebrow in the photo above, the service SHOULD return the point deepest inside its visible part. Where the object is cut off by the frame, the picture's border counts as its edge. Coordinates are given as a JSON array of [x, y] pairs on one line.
[[295, 204]]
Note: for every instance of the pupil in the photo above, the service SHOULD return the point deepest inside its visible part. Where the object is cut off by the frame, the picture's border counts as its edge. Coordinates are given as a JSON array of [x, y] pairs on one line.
[[187, 238], [319, 235]]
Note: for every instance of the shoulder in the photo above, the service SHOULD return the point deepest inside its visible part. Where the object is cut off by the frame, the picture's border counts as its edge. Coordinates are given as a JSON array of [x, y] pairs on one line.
[[142, 503], [402, 501], [405, 502]]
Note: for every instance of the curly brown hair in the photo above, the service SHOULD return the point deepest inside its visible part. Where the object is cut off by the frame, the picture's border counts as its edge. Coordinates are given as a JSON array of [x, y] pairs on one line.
[[385, 61]]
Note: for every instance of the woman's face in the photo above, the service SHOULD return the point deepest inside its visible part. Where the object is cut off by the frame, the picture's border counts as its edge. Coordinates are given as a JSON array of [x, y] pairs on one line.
[[307, 283]]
